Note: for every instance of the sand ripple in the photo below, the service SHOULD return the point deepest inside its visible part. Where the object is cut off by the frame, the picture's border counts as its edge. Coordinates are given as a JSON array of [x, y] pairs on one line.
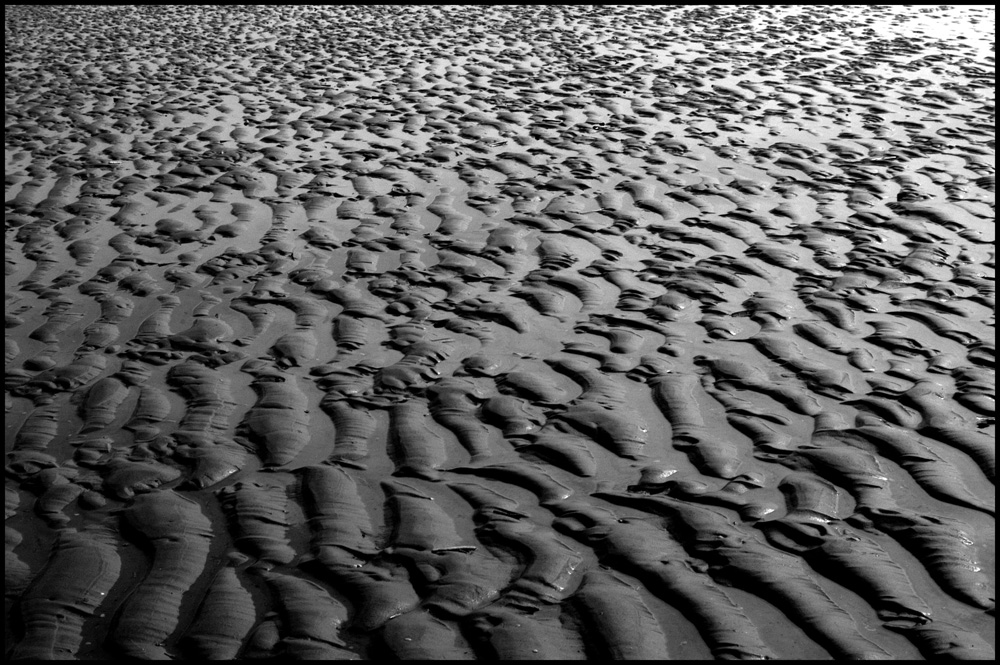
[[499, 332]]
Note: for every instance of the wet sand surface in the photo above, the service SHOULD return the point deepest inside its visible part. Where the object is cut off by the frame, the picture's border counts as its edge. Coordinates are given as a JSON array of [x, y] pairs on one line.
[[499, 332]]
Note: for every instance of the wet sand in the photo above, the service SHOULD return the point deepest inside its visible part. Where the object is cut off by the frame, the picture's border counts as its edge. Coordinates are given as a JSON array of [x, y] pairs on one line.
[[499, 332]]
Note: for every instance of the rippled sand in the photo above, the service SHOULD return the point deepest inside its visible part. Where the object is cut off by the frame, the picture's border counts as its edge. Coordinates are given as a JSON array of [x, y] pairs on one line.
[[500, 332]]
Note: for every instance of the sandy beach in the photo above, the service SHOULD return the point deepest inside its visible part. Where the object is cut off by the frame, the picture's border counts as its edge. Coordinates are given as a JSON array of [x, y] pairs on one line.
[[516, 332]]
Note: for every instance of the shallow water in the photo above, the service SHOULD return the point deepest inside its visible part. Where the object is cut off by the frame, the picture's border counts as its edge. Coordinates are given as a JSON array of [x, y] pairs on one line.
[[364, 332]]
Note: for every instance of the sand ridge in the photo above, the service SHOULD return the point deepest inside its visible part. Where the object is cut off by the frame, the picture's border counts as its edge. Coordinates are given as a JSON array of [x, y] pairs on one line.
[[514, 332]]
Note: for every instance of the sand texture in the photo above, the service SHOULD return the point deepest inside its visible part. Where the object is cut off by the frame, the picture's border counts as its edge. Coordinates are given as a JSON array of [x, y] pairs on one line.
[[499, 332]]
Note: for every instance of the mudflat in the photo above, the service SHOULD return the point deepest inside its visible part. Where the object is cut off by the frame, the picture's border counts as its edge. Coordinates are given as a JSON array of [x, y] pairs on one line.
[[499, 332]]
